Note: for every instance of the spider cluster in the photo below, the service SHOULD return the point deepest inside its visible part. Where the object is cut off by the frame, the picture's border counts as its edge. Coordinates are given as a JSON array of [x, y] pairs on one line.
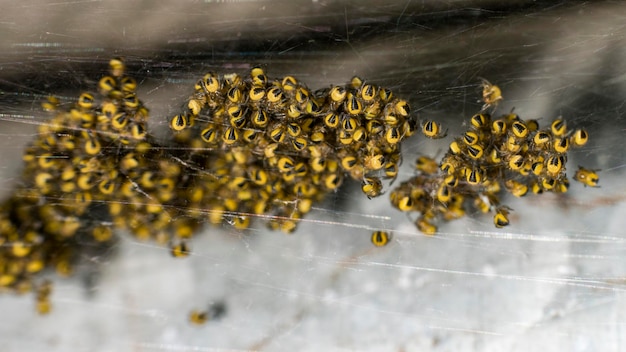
[[79, 158], [242, 148], [274, 147], [506, 153], [247, 147]]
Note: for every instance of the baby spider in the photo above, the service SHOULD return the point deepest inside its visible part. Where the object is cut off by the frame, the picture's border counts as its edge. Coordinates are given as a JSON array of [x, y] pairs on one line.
[[491, 94], [501, 219], [372, 187], [380, 238], [433, 130], [587, 177], [215, 311]]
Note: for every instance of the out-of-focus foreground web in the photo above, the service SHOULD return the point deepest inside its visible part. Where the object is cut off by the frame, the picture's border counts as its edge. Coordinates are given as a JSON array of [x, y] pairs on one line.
[[552, 280]]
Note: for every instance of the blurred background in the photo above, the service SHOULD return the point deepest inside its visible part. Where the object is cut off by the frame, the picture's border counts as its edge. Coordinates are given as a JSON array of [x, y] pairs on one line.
[[555, 279]]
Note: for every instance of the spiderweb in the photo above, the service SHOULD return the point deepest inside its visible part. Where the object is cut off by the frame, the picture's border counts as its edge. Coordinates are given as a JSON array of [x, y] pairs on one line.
[[552, 279]]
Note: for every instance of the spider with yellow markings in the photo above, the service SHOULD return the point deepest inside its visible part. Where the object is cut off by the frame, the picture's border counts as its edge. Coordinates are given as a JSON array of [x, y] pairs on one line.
[[492, 94], [380, 238], [425, 226], [587, 177], [215, 311], [579, 138], [426, 165], [372, 187], [433, 130], [501, 219], [180, 250]]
